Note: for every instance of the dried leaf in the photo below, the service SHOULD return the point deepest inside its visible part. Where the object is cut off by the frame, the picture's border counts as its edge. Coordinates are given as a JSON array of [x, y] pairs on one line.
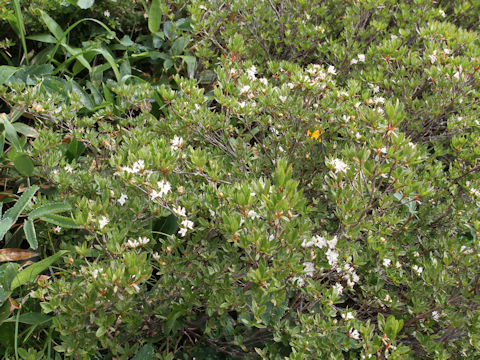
[[16, 254]]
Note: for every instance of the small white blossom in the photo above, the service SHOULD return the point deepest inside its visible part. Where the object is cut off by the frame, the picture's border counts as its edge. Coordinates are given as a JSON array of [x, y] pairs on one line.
[[180, 211], [387, 262], [263, 81], [244, 89], [435, 315], [333, 242], [123, 198], [361, 57], [252, 214], [442, 13], [331, 70], [353, 61], [106, 13], [176, 143], [332, 257], [69, 169], [417, 269], [156, 256], [348, 316], [338, 288], [251, 71], [57, 229], [282, 99], [182, 231], [187, 224], [339, 165], [355, 334], [309, 268], [138, 166], [164, 187], [379, 100], [103, 221]]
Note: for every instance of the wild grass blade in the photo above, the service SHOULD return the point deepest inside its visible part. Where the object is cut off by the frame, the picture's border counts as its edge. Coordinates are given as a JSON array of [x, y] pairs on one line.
[[21, 28]]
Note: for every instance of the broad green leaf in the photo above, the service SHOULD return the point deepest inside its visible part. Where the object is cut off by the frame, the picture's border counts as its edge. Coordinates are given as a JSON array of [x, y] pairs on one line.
[[52, 25], [12, 214], [11, 133], [29, 274], [49, 209], [30, 234], [145, 353], [75, 149], [77, 54], [110, 60], [6, 72], [62, 221], [179, 45], [100, 331], [25, 129], [46, 38], [23, 164], [85, 4], [155, 16], [191, 62], [32, 318], [166, 225]]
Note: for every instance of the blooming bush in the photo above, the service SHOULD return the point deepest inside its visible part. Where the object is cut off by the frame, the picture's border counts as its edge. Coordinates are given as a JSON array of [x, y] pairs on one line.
[[308, 191]]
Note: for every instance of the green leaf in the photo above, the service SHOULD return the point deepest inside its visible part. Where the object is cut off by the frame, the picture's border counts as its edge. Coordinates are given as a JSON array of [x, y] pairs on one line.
[[191, 62], [179, 45], [49, 209], [30, 234], [165, 226], [145, 353], [29, 274], [11, 133], [110, 60], [62, 221], [74, 150], [52, 25], [32, 318], [23, 164], [85, 4], [100, 331], [154, 16], [6, 72], [12, 214], [25, 130], [46, 38]]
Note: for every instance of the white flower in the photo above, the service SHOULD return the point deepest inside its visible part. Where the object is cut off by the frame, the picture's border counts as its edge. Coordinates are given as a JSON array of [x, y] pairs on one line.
[[252, 214], [263, 81], [339, 165], [383, 150], [447, 51], [435, 315], [127, 169], [433, 57], [180, 211], [106, 13], [317, 241], [338, 288], [282, 99], [123, 199], [299, 280], [242, 104], [387, 262], [355, 334], [332, 257], [348, 316], [138, 165], [143, 241], [103, 221], [164, 187], [182, 231], [379, 100], [353, 62], [57, 229], [417, 269], [187, 224], [244, 89], [361, 57], [333, 242], [156, 256], [176, 143], [309, 268], [331, 70], [441, 12], [251, 71], [69, 169]]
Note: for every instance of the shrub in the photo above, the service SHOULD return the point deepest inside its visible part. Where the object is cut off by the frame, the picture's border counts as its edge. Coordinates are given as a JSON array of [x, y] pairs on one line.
[[312, 201]]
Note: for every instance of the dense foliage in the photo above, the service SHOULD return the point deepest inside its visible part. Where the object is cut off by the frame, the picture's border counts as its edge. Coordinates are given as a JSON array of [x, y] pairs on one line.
[[272, 179]]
